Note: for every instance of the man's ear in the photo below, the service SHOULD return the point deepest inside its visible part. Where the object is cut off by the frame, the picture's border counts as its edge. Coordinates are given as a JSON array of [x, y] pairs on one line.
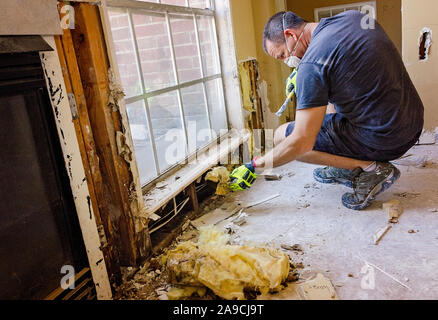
[[291, 33]]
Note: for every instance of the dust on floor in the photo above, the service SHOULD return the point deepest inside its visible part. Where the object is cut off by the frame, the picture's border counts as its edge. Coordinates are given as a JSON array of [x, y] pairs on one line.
[[332, 240]]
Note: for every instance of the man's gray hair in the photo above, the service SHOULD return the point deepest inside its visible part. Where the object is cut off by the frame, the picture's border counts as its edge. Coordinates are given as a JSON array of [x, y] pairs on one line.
[[274, 29]]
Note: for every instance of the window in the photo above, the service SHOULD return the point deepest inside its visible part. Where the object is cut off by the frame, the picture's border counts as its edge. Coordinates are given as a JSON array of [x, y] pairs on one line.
[[328, 12], [168, 58]]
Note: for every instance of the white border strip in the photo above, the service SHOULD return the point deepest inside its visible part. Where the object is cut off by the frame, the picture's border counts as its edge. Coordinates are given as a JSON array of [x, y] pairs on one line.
[[73, 162]]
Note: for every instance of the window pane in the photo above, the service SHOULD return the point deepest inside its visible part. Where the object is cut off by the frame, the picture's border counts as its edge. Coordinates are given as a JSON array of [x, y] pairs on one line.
[[154, 50], [352, 8], [142, 141], [202, 4], [186, 47], [175, 2], [337, 11], [216, 102], [167, 125], [195, 113], [324, 14], [125, 53], [210, 58]]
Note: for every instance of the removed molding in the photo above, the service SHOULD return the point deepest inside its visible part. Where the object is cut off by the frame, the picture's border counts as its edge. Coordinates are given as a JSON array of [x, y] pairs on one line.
[[262, 201]]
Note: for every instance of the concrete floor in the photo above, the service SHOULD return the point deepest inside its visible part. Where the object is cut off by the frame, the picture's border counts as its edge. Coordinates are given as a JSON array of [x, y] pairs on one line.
[[335, 239]]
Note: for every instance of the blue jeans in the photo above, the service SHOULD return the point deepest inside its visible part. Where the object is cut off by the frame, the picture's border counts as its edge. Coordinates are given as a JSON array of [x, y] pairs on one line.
[[339, 137]]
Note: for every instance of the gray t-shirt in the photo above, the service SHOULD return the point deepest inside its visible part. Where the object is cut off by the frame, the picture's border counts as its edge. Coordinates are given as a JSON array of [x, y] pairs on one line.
[[361, 72]]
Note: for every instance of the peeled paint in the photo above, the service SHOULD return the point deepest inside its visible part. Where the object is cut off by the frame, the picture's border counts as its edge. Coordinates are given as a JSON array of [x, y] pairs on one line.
[[227, 270]]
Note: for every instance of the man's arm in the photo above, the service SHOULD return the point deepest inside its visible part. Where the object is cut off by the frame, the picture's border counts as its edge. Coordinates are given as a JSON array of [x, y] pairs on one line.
[[308, 123]]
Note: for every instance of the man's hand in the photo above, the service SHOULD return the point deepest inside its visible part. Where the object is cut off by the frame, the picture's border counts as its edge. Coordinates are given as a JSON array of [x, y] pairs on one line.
[[291, 83], [243, 177]]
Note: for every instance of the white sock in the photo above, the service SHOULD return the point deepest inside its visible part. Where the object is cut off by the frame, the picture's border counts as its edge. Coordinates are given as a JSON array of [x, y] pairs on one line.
[[371, 167]]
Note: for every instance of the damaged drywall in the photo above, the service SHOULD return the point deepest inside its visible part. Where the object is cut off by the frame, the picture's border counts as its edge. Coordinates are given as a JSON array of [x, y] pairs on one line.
[[125, 147], [425, 42], [419, 23]]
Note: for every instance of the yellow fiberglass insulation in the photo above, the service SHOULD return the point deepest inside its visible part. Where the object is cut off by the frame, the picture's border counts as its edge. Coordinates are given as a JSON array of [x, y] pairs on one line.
[[226, 269], [221, 175]]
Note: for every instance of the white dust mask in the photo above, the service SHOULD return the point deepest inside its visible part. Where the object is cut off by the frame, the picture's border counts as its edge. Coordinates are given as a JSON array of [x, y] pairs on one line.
[[292, 61]]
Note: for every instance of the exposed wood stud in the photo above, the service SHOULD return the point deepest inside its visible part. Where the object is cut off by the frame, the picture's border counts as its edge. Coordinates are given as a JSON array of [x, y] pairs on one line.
[[191, 190], [133, 241], [87, 146]]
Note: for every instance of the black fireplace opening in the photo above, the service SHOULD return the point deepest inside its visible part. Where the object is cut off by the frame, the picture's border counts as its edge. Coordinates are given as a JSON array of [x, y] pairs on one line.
[[39, 228]]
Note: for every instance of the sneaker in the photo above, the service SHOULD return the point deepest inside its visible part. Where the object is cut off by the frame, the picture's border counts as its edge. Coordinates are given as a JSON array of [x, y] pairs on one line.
[[334, 175], [368, 185]]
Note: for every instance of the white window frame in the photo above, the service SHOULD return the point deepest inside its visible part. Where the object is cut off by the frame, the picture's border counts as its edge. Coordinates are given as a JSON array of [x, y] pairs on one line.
[[133, 6], [345, 7]]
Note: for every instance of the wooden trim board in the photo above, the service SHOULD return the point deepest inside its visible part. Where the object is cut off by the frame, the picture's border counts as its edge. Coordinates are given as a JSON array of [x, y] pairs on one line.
[[73, 161]]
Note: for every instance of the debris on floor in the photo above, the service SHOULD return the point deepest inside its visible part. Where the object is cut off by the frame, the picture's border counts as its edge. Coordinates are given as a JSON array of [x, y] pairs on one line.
[[393, 209], [240, 220], [408, 195], [295, 247], [216, 216], [418, 161], [233, 224], [380, 234], [222, 217], [272, 177], [319, 288], [262, 201], [384, 272], [221, 176], [229, 271]]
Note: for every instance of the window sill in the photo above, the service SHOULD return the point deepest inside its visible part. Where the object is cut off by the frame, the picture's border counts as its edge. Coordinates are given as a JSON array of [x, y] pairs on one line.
[[157, 197]]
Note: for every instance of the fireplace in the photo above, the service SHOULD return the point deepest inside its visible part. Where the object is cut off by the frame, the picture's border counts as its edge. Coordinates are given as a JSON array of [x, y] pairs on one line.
[[39, 229]]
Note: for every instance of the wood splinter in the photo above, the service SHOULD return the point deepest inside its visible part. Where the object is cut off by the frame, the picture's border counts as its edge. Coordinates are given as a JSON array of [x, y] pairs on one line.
[[381, 233]]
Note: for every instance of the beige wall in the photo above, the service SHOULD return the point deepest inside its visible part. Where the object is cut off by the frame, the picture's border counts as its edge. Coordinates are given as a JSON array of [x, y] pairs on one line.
[[417, 15], [388, 13], [249, 18], [243, 27], [29, 17]]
